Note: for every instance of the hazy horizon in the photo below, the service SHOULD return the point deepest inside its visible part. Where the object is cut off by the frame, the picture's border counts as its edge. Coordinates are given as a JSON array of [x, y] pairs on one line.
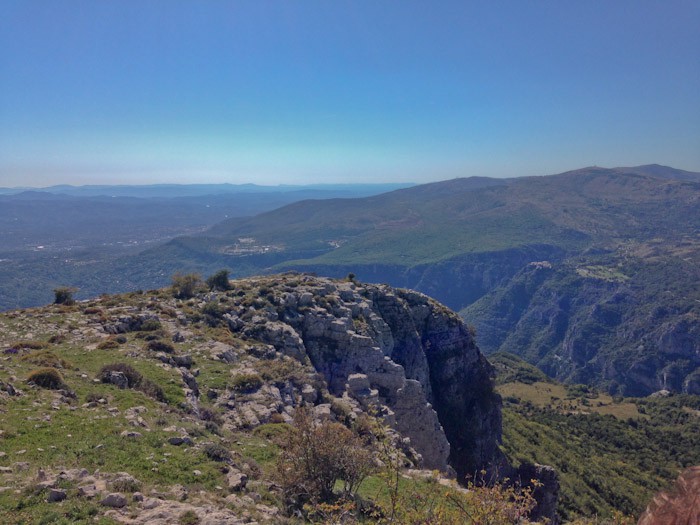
[[344, 92]]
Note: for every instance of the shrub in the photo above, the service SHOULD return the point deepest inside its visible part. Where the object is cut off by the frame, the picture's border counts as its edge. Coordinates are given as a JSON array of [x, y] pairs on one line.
[[315, 456], [161, 346], [108, 344], [219, 281], [149, 325], [217, 452], [213, 313], [134, 380], [277, 418], [185, 286], [152, 390], [341, 410], [64, 295], [92, 397], [133, 377], [47, 359], [29, 345], [125, 484], [189, 517], [246, 383], [207, 414], [46, 378], [213, 427]]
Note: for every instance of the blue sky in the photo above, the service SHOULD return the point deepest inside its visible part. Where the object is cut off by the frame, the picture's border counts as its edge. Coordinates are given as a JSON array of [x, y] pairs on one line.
[[337, 91]]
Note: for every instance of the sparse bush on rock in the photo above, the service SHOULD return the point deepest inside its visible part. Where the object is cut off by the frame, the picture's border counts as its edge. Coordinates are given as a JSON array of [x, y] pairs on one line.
[[245, 383], [46, 378], [219, 281], [160, 346], [185, 286], [64, 295], [316, 456], [125, 376], [217, 452]]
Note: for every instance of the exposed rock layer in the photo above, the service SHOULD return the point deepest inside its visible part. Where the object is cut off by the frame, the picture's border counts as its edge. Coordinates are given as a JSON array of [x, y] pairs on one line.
[[407, 354]]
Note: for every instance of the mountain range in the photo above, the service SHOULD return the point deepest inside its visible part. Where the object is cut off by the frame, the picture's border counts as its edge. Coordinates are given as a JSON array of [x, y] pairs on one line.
[[593, 275]]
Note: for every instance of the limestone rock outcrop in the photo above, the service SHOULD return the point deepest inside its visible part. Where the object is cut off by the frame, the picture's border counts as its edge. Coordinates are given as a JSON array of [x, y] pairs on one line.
[[398, 351]]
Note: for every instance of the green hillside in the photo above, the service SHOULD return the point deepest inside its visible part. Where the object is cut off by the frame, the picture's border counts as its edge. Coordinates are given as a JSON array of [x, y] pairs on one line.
[[611, 453]]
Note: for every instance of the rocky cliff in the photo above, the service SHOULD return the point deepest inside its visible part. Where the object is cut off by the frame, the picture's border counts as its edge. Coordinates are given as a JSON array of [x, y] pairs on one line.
[[397, 351]]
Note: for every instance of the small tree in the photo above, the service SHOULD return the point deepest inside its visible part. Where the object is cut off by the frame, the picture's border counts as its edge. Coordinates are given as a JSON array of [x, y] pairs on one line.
[[315, 456], [64, 295], [219, 281], [185, 286]]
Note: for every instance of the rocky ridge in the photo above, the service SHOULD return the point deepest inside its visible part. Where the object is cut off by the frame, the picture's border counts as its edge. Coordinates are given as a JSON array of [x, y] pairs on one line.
[[220, 366]]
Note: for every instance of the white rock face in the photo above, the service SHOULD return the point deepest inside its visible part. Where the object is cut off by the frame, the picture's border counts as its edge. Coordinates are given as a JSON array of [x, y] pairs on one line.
[[395, 350]]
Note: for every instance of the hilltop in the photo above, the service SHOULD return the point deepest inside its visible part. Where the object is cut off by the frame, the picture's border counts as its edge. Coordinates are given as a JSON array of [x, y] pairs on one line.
[[176, 402]]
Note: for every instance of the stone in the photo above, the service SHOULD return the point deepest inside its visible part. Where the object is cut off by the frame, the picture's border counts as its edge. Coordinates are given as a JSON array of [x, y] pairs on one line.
[[88, 491], [546, 493], [118, 379], [236, 480], [358, 385], [177, 441], [56, 495], [130, 434], [150, 503], [323, 412], [309, 394], [190, 381], [114, 500], [184, 360]]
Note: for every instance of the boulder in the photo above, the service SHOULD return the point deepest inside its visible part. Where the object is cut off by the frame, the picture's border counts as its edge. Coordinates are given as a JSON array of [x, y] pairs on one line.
[[56, 495], [114, 500]]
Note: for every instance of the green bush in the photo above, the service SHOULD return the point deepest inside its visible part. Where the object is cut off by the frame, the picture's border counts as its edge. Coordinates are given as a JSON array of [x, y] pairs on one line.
[[64, 295], [219, 281], [47, 359], [134, 380], [185, 286], [246, 382], [213, 313], [152, 390], [150, 325], [46, 378], [161, 346], [133, 377], [217, 452]]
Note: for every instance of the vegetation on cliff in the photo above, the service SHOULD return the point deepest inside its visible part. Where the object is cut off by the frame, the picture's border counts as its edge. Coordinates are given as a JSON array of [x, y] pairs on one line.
[[612, 454]]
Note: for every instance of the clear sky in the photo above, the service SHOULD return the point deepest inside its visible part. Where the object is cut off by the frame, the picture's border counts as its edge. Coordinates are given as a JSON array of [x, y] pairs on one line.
[[339, 91]]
